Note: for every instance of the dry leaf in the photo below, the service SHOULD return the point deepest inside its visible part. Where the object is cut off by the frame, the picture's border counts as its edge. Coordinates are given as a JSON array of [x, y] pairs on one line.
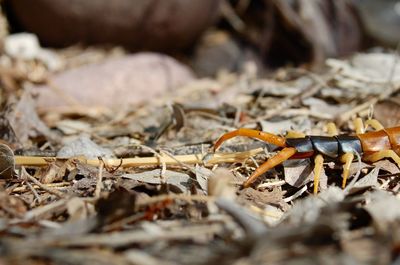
[[308, 210], [202, 176], [49, 174], [369, 180], [25, 122], [6, 162], [384, 208], [78, 209], [219, 184], [300, 172], [179, 180], [388, 166]]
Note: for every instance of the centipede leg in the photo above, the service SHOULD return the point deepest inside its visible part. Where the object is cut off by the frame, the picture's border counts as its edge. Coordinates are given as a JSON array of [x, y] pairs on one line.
[[359, 125], [331, 128], [280, 157], [347, 158], [295, 134], [318, 161], [374, 124], [383, 154], [263, 136]]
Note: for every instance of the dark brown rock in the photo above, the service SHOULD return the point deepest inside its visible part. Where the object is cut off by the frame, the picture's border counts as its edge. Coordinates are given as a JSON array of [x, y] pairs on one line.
[[162, 25]]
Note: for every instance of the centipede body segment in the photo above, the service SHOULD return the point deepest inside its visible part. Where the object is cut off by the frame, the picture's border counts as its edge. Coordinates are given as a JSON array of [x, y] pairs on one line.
[[370, 146]]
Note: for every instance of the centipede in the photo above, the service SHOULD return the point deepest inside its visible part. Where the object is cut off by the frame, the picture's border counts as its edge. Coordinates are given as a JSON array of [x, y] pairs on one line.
[[373, 145]]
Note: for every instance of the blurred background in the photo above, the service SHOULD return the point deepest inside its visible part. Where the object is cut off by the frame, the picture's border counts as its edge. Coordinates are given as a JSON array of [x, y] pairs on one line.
[[162, 44], [211, 35]]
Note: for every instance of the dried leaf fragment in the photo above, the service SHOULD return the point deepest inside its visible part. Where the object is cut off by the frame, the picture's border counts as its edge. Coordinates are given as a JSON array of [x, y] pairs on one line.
[[6, 162]]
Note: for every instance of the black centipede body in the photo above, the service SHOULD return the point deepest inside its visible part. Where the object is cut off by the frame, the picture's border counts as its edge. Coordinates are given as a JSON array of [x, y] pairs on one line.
[[328, 146]]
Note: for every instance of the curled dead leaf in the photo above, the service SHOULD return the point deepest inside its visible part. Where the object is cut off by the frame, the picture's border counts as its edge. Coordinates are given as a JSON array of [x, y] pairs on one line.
[[6, 162]]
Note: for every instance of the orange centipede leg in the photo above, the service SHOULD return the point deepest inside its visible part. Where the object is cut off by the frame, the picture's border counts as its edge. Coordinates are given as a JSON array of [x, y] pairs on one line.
[[318, 164], [263, 136], [280, 157], [347, 158]]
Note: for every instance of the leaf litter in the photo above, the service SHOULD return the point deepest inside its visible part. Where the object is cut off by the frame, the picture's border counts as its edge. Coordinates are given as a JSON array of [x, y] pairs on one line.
[[91, 202]]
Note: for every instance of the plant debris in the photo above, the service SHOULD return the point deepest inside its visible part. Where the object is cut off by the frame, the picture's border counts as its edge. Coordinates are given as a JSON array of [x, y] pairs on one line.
[[134, 180]]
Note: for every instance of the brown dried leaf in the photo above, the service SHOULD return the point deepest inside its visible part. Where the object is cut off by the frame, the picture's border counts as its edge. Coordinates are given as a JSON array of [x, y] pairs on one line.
[[7, 133], [119, 204], [78, 209], [11, 206], [26, 123], [49, 174], [6, 162], [261, 198]]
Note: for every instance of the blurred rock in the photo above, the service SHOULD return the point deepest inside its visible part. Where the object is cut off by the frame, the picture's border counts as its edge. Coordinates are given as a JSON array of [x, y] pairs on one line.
[[22, 45], [152, 25], [83, 146], [381, 20], [218, 50], [300, 31], [26, 46], [114, 83]]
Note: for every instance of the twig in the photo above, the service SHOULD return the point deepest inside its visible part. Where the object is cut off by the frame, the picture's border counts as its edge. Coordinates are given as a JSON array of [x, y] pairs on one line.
[[40, 211], [271, 184], [50, 185], [35, 194], [145, 161], [99, 180], [229, 13], [296, 195], [184, 165], [162, 162], [120, 239], [184, 197], [43, 187]]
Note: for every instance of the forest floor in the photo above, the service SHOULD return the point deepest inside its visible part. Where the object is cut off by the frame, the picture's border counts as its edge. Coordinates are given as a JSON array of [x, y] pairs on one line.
[[141, 185]]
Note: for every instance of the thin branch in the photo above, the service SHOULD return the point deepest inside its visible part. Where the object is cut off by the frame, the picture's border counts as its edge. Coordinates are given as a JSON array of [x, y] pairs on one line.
[[145, 161]]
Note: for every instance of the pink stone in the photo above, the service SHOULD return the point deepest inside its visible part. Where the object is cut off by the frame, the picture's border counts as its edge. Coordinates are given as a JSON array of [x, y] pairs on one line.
[[132, 79]]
